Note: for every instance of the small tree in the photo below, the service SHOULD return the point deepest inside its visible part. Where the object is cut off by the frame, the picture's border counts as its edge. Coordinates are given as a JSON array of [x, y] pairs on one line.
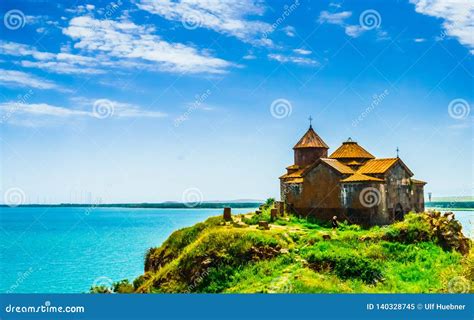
[[269, 202]]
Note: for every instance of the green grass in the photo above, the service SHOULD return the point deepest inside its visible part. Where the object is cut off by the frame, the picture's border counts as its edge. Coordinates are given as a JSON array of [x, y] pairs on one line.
[[301, 256]]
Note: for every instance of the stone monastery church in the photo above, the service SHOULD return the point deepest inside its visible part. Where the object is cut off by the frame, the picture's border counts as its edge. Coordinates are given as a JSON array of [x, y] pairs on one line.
[[351, 184]]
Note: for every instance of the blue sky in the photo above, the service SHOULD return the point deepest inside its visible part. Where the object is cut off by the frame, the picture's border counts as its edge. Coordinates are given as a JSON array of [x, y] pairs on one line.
[[148, 101]]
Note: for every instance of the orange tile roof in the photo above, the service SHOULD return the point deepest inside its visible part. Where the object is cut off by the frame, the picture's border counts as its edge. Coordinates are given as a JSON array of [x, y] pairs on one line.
[[333, 163], [354, 163], [377, 166], [296, 174], [339, 166], [350, 149], [358, 177], [311, 140], [381, 166], [293, 166], [416, 181], [294, 180]]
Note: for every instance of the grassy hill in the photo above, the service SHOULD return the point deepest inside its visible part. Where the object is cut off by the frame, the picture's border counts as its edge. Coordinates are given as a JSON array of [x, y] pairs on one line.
[[424, 253]]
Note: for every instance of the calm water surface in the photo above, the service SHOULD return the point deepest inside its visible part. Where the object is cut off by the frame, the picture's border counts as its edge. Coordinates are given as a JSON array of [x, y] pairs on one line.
[[62, 250]]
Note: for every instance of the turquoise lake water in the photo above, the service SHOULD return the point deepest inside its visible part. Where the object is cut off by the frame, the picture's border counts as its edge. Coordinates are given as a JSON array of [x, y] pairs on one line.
[[66, 250]]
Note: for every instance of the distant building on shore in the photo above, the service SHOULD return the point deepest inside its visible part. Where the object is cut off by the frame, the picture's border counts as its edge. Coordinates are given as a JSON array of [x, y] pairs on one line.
[[351, 184]]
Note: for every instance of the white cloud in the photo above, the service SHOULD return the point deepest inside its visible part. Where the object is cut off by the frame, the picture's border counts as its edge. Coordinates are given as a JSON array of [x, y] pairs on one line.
[[457, 15], [337, 18], [19, 112], [354, 30], [419, 39], [130, 43], [302, 51], [80, 9], [121, 109], [335, 5], [293, 59], [13, 78], [40, 109], [102, 45], [54, 62], [35, 19], [223, 16], [382, 35], [249, 57], [289, 31], [17, 49]]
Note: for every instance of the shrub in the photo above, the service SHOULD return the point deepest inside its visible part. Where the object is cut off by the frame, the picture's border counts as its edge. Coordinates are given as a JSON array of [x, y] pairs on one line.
[[411, 230], [346, 266], [254, 219], [443, 229], [123, 286], [100, 289]]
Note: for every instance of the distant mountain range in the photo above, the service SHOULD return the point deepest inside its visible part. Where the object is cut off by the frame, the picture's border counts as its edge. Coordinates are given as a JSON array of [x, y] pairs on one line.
[[452, 199], [240, 203]]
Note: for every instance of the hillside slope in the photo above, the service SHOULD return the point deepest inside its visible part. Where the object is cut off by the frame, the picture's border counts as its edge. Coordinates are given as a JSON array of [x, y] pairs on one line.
[[424, 253]]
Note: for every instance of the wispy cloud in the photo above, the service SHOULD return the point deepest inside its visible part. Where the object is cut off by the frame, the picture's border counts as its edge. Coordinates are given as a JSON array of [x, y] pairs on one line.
[[102, 45], [337, 18], [27, 113], [80, 9], [289, 31], [302, 51], [63, 63], [293, 59], [223, 16], [249, 57], [41, 109], [352, 30], [457, 16], [121, 109], [127, 42], [13, 78]]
